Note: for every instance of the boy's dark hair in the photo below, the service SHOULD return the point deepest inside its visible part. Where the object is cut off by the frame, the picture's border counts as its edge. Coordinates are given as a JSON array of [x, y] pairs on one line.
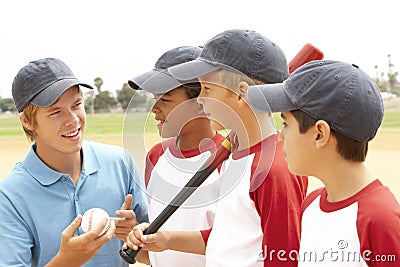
[[348, 148], [192, 89]]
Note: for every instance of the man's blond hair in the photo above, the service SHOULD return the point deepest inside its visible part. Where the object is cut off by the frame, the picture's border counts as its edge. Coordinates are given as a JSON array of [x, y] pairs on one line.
[[29, 113]]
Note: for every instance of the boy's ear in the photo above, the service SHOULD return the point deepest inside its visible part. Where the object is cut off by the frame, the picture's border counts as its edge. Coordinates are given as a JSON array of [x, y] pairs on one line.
[[200, 108], [322, 133], [243, 86], [25, 122]]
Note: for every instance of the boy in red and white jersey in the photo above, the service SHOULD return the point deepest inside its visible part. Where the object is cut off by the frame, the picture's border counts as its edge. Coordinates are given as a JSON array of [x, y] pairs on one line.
[[189, 139], [331, 110]]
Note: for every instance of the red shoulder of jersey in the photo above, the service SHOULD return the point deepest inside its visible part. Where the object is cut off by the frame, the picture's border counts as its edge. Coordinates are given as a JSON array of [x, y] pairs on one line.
[[378, 225], [153, 155]]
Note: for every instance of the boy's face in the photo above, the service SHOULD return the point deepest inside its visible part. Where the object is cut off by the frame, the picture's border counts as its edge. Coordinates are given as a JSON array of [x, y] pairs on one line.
[[218, 101], [297, 146], [173, 110], [60, 127]]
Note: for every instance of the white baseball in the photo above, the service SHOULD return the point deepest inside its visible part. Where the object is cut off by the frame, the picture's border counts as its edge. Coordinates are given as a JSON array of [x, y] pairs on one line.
[[92, 217]]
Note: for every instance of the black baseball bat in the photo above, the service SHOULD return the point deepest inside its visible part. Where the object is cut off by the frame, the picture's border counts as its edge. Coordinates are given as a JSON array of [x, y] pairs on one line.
[[198, 178]]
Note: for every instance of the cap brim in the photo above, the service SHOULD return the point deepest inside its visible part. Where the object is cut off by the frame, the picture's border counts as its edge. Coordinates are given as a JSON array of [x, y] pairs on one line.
[[137, 82], [269, 98], [192, 69], [155, 82], [52, 93]]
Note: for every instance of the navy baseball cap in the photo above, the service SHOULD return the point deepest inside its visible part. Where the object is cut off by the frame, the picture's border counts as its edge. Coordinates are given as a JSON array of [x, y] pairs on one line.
[[339, 93], [42, 82], [158, 80], [241, 51]]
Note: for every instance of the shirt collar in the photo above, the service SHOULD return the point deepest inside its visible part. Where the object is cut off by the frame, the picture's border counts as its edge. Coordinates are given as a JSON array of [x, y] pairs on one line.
[[46, 176], [91, 161]]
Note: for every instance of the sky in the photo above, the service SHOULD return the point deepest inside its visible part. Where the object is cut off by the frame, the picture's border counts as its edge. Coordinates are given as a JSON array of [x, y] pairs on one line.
[[117, 40]]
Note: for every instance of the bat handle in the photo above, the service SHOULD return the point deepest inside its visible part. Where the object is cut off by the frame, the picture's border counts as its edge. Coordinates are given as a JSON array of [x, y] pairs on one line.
[[129, 255]]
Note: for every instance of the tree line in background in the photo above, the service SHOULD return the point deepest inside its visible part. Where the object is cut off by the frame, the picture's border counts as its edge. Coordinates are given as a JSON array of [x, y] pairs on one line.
[[100, 101], [387, 82]]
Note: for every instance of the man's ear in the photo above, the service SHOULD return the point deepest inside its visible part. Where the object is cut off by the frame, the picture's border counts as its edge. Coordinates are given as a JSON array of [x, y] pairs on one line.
[[25, 122], [322, 133]]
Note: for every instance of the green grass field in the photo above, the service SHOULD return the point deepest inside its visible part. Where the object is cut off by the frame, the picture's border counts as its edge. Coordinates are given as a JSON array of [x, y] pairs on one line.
[[391, 120], [112, 124], [96, 125]]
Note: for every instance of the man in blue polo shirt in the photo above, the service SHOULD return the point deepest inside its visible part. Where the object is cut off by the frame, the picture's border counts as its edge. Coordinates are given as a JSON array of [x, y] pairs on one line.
[[61, 177]]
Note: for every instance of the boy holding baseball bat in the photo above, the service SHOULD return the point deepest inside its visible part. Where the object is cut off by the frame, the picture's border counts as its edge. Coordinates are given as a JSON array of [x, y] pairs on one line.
[[332, 110], [62, 176], [259, 206], [189, 141]]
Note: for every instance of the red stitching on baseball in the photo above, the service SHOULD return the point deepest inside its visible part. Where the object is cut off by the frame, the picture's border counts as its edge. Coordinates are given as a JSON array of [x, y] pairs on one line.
[[90, 220]]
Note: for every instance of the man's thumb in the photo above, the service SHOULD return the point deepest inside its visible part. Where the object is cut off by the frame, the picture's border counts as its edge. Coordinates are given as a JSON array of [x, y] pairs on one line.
[[127, 205]]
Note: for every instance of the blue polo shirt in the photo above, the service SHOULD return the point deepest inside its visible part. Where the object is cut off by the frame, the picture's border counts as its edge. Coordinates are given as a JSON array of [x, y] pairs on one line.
[[38, 203]]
